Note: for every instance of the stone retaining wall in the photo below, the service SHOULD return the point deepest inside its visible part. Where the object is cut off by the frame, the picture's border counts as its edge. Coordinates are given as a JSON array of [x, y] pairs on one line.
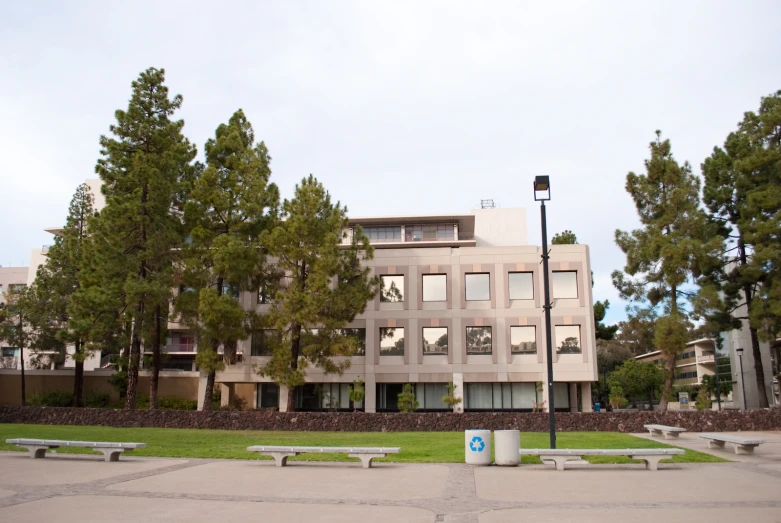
[[702, 421]]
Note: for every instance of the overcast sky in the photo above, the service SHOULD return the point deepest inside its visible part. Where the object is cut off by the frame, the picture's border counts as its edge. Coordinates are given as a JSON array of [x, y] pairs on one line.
[[397, 107]]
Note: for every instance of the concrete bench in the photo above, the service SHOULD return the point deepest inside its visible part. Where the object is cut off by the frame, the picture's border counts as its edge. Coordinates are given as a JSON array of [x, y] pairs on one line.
[[560, 456], [669, 432], [365, 454], [110, 450], [740, 444]]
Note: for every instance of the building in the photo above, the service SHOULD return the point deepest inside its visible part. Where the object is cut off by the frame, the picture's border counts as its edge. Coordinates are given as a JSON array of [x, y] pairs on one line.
[[698, 360], [461, 302], [11, 278]]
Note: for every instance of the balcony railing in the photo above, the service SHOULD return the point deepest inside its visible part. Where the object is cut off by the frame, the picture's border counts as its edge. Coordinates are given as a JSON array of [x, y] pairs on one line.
[[706, 358], [179, 347], [108, 360]]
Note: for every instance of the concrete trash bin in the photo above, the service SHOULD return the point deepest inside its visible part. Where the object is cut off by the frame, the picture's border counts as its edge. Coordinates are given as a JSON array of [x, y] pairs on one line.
[[508, 443], [477, 445]]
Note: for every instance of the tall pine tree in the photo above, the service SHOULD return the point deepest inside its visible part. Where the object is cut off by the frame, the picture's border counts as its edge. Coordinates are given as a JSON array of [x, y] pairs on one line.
[[327, 285], [665, 255], [231, 205], [142, 168]]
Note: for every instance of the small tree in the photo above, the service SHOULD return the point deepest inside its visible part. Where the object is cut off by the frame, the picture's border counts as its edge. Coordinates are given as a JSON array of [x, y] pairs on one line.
[[407, 401], [565, 238], [635, 378], [450, 399], [357, 393]]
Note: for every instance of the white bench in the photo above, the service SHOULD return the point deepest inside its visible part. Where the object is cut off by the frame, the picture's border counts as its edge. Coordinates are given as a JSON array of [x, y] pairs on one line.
[[560, 456], [365, 454], [110, 450], [740, 444], [669, 432]]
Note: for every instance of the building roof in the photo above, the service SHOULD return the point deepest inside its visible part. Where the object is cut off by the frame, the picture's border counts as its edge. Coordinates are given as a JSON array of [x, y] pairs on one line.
[[648, 354], [466, 222]]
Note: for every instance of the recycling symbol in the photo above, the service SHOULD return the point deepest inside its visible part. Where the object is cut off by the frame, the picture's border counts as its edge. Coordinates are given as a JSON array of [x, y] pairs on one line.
[[477, 444]]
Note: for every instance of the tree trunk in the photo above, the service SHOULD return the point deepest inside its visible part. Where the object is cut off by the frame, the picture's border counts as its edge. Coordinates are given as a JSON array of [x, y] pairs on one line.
[[759, 372], [668, 382], [156, 361], [78, 376], [650, 399], [135, 358], [21, 366], [208, 392], [295, 349]]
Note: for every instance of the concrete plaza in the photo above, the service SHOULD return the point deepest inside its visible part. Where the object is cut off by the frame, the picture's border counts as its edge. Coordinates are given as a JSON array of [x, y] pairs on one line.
[[83, 489]]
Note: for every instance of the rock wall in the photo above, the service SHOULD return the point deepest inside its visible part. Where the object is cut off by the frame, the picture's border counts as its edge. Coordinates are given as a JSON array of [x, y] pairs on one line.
[[695, 421]]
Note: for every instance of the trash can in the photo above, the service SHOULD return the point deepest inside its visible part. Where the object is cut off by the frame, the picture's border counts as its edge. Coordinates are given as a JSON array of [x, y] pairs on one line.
[[507, 442], [477, 445], [596, 407]]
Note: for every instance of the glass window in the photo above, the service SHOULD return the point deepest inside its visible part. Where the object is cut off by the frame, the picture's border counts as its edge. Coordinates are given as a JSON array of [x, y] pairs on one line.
[[383, 234], [478, 287], [391, 289], [434, 340], [429, 232], [392, 341], [263, 340], [568, 339], [268, 395], [478, 340], [501, 396], [228, 289], [521, 285], [265, 296], [429, 396], [565, 284], [359, 335], [16, 287], [434, 287], [523, 340]]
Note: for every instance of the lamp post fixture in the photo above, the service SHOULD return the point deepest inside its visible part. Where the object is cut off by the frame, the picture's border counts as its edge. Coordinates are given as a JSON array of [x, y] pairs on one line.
[[742, 383], [542, 194]]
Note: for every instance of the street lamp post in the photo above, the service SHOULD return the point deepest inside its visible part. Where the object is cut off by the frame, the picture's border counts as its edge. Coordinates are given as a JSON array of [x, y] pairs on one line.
[[742, 383], [542, 194]]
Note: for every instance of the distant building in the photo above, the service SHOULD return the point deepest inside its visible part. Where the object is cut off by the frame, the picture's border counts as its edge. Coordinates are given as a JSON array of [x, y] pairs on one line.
[[698, 360]]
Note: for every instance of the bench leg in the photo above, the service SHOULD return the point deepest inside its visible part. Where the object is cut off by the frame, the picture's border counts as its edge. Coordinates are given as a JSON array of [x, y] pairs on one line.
[[110, 454], [280, 457], [671, 435], [743, 449], [36, 451], [651, 462], [655, 432], [366, 459], [715, 444], [560, 460]]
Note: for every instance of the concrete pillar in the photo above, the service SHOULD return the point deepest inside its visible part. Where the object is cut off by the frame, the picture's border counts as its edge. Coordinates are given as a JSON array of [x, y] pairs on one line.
[[544, 399], [283, 398], [585, 397], [370, 398], [573, 397], [227, 393], [201, 389], [458, 381]]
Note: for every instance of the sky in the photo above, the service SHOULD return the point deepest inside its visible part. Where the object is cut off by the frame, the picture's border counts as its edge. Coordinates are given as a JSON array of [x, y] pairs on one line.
[[397, 107]]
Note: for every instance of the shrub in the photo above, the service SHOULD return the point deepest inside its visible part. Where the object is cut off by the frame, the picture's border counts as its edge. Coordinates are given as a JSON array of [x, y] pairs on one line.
[[51, 399], [407, 401], [97, 400], [177, 404], [450, 399]]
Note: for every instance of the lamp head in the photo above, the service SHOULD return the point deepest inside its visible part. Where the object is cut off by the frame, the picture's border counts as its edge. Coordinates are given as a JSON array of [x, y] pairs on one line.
[[541, 185], [739, 351]]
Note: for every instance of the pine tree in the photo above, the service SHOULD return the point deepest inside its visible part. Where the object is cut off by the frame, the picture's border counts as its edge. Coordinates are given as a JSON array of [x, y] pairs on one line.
[[327, 285], [232, 203], [665, 255], [142, 168]]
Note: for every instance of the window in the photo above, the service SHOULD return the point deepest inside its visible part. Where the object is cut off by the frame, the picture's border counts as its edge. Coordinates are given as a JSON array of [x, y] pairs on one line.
[[478, 340], [1, 288], [391, 289], [568, 339], [228, 289], [16, 287], [324, 396], [478, 287], [391, 341], [185, 364], [434, 287], [429, 396], [434, 340], [268, 395], [263, 341], [685, 355], [10, 352], [521, 285], [265, 296], [383, 234], [429, 232], [523, 340], [565, 284], [360, 337], [501, 396], [686, 375], [180, 342]]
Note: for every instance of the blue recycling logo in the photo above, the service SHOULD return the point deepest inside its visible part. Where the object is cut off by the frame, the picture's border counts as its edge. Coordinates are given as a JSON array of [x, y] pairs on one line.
[[477, 444]]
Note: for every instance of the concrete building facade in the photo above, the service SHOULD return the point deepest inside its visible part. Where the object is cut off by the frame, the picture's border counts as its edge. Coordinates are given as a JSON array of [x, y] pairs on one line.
[[698, 360], [461, 302]]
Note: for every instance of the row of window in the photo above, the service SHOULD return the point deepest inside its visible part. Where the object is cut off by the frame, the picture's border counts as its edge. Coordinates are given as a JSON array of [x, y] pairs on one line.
[[477, 286], [13, 287], [477, 396], [686, 375], [412, 233], [686, 355], [479, 340]]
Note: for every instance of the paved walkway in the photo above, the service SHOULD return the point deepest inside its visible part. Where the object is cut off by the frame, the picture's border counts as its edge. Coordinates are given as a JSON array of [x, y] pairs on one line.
[[769, 452], [83, 489]]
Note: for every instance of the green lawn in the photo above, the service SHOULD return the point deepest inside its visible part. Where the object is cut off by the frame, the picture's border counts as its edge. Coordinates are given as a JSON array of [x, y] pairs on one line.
[[416, 447]]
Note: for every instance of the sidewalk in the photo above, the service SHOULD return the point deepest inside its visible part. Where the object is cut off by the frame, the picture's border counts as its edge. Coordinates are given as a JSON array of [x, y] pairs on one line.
[[769, 452]]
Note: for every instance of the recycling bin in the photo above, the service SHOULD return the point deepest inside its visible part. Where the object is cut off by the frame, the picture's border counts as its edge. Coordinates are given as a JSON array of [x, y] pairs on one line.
[[507, 442], [596, 407], [477, 445]]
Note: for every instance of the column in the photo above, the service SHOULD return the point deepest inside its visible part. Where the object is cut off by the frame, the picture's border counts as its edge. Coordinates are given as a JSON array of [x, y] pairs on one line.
[[201, 389], [370, 399], [585, 397], [227, 393], [573, 397], [458, 381], [283, 398]]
